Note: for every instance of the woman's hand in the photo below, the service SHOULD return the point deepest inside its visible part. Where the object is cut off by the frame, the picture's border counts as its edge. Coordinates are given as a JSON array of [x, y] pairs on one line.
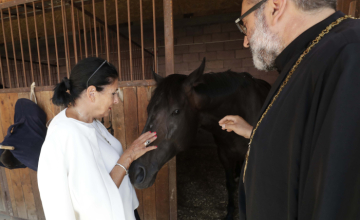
[[237, 124], [137, 149]]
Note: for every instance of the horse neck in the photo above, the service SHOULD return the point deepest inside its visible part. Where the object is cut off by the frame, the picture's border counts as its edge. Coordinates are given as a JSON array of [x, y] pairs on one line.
[[218, 108], [245, 102]]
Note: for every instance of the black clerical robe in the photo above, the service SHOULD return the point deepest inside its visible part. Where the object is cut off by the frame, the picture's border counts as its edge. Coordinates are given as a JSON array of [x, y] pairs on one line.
[[304, 162]]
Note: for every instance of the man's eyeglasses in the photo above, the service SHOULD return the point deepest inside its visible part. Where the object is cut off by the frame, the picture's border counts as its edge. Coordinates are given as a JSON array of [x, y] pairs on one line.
[[239, 23], [87, 83]]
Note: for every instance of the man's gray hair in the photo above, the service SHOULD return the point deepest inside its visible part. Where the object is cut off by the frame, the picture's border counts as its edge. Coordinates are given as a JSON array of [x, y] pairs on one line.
[[309, 5]]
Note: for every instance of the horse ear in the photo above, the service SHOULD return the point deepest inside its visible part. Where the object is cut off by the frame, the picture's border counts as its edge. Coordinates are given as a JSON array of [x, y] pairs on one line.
[[157, 77], [196, 74]]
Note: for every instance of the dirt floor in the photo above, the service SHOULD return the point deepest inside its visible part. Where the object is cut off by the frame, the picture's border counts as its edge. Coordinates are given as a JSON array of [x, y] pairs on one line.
[[201, 185]]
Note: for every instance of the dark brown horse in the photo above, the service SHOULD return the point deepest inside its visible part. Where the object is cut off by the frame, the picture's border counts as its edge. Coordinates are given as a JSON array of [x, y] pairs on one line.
[[181, 104]]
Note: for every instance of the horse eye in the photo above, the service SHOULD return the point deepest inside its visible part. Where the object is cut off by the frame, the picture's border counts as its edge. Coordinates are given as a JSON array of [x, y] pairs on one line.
[[176, 112]]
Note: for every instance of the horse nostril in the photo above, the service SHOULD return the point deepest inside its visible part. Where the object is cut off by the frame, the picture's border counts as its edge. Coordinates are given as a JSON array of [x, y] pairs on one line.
[[140, 175]]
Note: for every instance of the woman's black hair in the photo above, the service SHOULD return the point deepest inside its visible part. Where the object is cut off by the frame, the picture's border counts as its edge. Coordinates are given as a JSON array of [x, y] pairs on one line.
[[78, 78]]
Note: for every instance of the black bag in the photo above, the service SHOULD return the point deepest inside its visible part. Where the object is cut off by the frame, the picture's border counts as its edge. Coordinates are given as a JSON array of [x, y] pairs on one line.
[[27, 135]]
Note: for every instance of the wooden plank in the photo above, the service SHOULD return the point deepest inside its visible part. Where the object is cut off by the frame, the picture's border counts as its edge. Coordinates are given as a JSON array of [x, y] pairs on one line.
[[3, 183], [23, 95], [172, 189], [28, 193], [55, 109], [15, 179], [40, 102], [5, 195], [46, 104], [38, 204], [51, 88], [11, 193], [118, 121], [27, 184], [352, 8], [149, 194], [6, 192], [7, 119], [2, 191], [132, 127], [130, 112], [162, 194], [33, 174], [18, 193]]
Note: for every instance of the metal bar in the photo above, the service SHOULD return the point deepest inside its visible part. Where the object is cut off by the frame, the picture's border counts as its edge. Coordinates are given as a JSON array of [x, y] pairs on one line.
[[96, 46], [84, 28], [37, 44], [56, 49], [100, 35], [118, 38], [21, 46], [130, 48], [46, 41], [5, 44], [2, 73], [112, 44], [142, 41], [67, 41], [65, 36], [80, 47], [106, 33], [73, 31], [29, 45], [13, 45], [109, 27], [91, 40], [154, 27]]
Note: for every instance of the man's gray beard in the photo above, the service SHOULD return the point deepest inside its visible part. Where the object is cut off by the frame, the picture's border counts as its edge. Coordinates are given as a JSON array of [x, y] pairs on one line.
[[265, 46]]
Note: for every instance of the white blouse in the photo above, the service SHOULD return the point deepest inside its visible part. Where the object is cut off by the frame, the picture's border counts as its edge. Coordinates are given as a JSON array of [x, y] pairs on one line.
[[74, 173]]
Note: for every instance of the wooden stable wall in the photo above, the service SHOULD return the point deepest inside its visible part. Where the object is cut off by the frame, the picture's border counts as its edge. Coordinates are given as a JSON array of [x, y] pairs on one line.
[[19, 191]]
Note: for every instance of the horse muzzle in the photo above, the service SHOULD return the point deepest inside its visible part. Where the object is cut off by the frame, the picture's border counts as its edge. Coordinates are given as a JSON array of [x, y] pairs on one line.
[[142, 177]]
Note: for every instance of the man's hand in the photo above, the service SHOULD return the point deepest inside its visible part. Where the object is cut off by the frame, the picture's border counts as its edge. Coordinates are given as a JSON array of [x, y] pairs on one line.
[[237, 124]]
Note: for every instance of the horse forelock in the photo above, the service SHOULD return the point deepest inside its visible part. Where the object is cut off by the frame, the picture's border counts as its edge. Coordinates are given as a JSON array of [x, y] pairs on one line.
[[168, 91]]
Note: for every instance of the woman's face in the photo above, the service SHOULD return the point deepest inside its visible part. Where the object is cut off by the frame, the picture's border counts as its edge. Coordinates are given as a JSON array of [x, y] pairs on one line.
[[106, 98]]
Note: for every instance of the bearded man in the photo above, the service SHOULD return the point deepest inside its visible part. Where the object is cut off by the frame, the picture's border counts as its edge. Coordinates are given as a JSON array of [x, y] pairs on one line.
[[303, 160]]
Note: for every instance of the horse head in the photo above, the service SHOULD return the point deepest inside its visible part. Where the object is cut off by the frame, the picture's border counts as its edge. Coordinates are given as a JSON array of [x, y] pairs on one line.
[[173, 112]]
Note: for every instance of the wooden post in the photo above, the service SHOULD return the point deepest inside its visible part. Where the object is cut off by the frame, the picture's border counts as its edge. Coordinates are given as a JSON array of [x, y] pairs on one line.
[[169, 69], [169, 37]]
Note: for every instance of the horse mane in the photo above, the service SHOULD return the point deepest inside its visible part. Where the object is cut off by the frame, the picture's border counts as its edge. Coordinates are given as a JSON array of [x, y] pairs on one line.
[[223, 83], [169, 88], [210, 84]]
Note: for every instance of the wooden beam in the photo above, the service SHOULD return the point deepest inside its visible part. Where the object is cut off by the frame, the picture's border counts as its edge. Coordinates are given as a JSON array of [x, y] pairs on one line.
[[28, 61], [169, 37], [135, 83], [169, 69]]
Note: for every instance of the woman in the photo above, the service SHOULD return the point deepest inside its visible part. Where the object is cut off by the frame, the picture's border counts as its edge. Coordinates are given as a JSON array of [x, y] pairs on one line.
[[82, 172]]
